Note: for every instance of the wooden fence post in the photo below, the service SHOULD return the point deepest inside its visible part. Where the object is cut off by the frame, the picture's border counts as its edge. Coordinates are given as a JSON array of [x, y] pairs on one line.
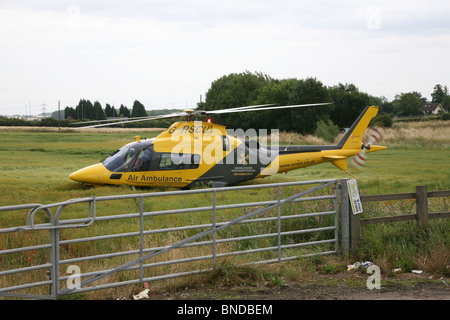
[[422, 205], [355, 230], [350, 223]]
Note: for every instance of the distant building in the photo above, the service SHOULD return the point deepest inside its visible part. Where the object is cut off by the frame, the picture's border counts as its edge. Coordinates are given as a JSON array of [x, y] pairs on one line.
[[432, 108]]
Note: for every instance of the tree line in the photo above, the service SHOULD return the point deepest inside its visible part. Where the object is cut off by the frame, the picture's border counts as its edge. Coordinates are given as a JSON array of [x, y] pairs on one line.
[[247, 88], [86, 110]]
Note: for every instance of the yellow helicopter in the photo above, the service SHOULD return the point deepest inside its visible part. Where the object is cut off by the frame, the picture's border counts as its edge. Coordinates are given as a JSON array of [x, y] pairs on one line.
[[191, 153]]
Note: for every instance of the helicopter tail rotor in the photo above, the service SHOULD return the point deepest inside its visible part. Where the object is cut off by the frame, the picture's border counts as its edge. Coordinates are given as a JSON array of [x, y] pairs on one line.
[[375, 134]]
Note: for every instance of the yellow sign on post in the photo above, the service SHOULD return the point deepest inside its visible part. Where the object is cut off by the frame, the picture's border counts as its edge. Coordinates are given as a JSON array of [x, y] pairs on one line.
[[353, 192]]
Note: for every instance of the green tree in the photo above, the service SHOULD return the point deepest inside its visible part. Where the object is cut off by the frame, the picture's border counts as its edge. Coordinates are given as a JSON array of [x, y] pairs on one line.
[[349, 102], [439, 93], [88, 110], [384, 120], [307, 91], [113, 112], [293, 92], [327, 130], [138, 110], [237, 90], [124, 111], [387, 107], [408, 104], [274, 92], [446, 103], [85, 110], [98, 113], [234, 90], [108, 110], [70, 112]]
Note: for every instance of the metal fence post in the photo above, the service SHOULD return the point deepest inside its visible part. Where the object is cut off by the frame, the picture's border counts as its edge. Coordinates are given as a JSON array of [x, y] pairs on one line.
[[279, 224], [214, 228], [345, 217], [54, 271], [141, 238], [336, 215]]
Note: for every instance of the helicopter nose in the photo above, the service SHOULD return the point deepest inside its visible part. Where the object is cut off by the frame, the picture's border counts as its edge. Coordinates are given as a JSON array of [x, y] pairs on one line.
[[91, 175]]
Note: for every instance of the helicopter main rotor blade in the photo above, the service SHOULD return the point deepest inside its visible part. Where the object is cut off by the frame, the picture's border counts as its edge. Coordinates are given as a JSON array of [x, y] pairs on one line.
[[112, 122], [189, 113], [107, 120], [138, 119], [238, 108], [246, 109]]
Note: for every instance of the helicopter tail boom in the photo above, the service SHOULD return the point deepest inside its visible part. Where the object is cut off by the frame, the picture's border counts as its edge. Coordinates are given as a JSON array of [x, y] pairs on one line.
[[351, 144]]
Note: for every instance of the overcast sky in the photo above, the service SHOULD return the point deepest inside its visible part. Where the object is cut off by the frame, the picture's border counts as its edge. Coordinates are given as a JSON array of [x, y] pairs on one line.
[[166, 53]]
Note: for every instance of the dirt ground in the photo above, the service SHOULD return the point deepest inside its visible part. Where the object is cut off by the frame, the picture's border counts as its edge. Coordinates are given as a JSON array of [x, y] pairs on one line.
[[344, 286], [324, 296]]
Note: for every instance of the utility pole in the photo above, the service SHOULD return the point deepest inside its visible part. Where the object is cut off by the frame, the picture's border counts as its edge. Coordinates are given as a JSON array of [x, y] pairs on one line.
[[59, 118]]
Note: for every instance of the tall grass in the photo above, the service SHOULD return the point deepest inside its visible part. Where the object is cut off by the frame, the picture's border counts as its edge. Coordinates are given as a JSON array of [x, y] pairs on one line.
[[433, 134], [404, 245], [418, 135], [407, 247]]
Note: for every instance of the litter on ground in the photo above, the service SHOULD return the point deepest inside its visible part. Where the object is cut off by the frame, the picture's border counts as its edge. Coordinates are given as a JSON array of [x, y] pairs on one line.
[[358, 264]]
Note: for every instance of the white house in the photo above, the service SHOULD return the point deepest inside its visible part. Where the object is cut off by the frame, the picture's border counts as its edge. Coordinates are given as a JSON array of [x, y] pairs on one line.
[[432, 108]]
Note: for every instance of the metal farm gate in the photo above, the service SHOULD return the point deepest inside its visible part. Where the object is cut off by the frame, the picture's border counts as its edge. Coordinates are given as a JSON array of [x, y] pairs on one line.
[[90, 244]]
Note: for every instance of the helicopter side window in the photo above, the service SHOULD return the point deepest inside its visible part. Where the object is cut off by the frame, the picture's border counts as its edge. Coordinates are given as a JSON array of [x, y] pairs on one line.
[[143, 161], [174, 161]]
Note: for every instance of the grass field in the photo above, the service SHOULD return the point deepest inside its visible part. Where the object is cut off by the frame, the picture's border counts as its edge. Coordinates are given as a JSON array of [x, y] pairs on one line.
[[35, 165]]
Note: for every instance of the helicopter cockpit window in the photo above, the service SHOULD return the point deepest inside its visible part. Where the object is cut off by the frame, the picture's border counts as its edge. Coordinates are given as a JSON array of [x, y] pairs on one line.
[[174, 161], [121, 160], [143, 160]]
